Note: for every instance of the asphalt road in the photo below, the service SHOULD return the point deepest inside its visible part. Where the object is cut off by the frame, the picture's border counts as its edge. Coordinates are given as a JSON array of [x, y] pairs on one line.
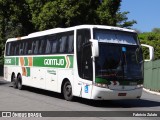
[[31, 99]]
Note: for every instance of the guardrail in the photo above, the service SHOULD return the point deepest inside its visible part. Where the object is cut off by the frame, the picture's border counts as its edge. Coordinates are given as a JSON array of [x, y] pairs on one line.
[[152, 75]]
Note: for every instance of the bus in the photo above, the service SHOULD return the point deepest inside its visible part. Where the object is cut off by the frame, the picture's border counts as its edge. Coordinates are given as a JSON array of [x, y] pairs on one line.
[[89, 61]]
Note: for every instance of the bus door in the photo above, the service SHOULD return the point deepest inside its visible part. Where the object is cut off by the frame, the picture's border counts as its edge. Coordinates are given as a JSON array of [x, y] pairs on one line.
[[84, 62]]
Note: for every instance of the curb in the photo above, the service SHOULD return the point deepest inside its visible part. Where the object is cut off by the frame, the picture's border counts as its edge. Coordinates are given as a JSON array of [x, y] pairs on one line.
[[152, 92]]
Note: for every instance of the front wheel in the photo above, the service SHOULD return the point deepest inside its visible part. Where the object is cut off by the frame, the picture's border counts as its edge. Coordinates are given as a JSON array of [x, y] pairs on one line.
[[67, 91]]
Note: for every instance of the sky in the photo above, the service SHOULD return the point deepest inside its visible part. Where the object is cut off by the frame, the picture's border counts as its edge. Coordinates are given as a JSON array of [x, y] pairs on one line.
[[145, 12]]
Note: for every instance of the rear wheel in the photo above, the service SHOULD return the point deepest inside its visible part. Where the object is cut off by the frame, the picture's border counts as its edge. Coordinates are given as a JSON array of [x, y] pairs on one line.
[[19, 82], [67, 91], [14, 81]]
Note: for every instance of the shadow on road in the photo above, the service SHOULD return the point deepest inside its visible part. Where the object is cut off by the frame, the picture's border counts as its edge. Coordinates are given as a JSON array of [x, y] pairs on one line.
[[3, 82], [120, 103], [42, 92], [102, 104]]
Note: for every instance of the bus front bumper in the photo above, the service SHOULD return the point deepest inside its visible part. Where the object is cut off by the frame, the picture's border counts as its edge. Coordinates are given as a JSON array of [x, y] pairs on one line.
[[99, 93]]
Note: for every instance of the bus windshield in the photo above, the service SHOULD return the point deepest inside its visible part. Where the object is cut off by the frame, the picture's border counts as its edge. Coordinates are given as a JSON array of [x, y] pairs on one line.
[[120, 59], [120, 37]]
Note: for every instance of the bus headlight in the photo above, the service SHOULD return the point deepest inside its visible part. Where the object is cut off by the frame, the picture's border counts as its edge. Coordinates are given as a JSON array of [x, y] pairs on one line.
[[101, 85], [139, 86]]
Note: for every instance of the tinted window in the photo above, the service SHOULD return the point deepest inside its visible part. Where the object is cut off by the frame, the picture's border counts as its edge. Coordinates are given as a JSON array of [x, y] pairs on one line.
[[110, 36], [70, 43], [49, 44], [84, 60]]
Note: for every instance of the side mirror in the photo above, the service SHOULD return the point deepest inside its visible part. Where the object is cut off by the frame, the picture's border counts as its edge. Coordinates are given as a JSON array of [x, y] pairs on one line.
[[151, 52], [95, 48]]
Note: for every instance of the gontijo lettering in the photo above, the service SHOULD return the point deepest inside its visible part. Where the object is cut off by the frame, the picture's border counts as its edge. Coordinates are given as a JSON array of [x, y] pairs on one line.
[[59, 62]]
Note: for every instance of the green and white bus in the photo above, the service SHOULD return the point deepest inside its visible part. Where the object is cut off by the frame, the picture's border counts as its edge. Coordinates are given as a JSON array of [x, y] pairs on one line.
[[89, 61]]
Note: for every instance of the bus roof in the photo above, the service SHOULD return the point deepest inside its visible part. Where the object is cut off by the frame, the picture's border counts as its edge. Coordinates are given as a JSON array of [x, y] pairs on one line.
[[58, 30]]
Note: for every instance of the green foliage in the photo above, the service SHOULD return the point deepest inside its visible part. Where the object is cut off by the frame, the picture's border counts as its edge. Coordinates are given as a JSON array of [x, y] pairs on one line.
[[14, 21], [62, 13], [122, 20], [65, 13], [153, 39], [156, 30]]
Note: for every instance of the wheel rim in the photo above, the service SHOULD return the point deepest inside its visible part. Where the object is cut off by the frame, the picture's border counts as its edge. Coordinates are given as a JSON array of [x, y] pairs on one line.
[[14, 83], [68, 90]]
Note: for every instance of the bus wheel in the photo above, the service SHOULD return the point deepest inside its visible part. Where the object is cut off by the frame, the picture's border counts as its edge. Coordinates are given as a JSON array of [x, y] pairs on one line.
[[19, 82], [14, 81], [67, 91]]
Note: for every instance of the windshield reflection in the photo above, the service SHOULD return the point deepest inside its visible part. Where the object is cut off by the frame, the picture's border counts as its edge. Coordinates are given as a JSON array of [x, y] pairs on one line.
[[119, 62]]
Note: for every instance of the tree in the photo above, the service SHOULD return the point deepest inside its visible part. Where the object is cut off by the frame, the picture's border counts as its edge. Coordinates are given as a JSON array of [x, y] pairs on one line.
[[122, 20], [65, 13], [62, 13], [156, 30], [152, 39], [14, 21]]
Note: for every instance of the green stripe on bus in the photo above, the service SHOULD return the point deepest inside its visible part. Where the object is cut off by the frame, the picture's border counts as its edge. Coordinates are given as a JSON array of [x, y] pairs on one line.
[[25, 61], [52, 61], [48, 61], [71, 61], [101, 80], [17, 60], [28, 71], [124, 82]]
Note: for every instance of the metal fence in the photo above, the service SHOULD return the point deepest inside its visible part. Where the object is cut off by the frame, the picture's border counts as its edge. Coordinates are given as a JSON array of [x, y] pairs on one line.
[[152, 75]]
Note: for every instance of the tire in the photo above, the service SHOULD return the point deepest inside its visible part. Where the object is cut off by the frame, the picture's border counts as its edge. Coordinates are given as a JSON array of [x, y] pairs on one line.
[[14, 81], [19, 82], [67, 91]]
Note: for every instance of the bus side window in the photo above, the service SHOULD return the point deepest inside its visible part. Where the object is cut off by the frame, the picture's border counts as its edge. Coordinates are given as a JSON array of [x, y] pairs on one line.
[[20, 51], [25, 48], [29, 47], [12, 49], [70, 43], [54, 46], [63, 44], [48, 47], [53, 43], [21, 48], [8, 51], [33, 46], [42, 46], [16, 49], [36, 47]]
